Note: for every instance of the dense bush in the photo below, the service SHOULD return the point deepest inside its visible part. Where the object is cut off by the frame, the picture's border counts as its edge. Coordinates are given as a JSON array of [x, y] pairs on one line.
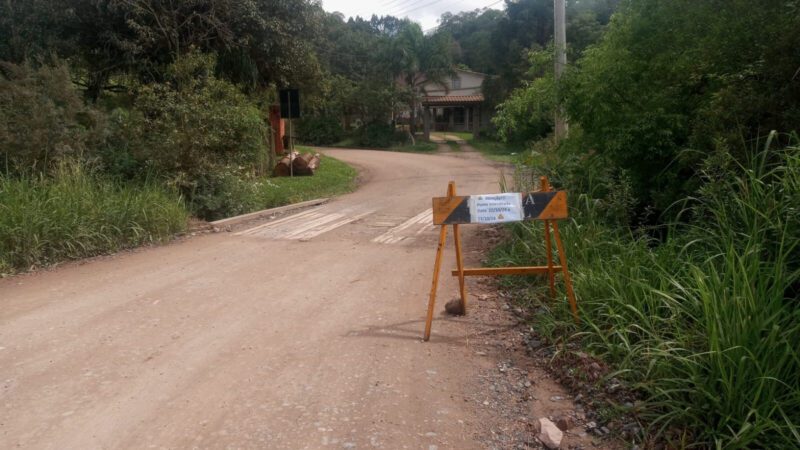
[[704, 325], [528, 112], [75, 214], [224, 193], [319, 130], [187, 129], [42, 118], [669, 76], [378, 134]]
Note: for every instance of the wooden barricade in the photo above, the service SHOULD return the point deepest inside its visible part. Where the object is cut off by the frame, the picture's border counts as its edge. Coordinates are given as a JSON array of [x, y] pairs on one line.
[[545, 205]]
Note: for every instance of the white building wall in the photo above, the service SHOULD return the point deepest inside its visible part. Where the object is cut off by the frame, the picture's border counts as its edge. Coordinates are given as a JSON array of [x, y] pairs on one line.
[[470, 85]]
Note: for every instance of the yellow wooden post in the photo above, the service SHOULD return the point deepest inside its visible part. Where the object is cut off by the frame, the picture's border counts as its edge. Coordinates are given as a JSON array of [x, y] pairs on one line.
[[562, 255], [551, 276], [462, 288], [436, 267]]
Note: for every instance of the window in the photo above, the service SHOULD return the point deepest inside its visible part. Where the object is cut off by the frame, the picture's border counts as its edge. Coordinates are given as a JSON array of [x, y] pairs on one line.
[[456, 82], [458, 116]]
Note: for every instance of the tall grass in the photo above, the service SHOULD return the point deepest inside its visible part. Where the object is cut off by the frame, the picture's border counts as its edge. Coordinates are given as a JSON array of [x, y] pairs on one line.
[[704, 325], [75, 214]]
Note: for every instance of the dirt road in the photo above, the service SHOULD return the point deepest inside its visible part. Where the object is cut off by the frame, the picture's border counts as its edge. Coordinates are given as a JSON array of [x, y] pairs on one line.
[[301, 332], [297, 334]]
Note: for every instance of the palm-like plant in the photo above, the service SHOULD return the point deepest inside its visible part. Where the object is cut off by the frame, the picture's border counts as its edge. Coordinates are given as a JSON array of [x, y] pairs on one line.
[[419, 61]]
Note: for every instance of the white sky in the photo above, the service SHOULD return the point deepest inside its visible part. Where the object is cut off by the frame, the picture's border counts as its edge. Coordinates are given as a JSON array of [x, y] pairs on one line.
[[425, 12]]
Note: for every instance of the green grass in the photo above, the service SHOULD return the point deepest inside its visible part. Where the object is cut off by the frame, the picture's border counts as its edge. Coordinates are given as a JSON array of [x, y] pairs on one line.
[[495, 150], [419, 147], [491, 149], [454, 146], [75, 215], [347, 142], [332, 178], [465, 135], [705, 326]]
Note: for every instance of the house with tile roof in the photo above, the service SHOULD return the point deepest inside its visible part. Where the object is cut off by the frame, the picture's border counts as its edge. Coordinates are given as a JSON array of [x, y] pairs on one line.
[[459, 106]]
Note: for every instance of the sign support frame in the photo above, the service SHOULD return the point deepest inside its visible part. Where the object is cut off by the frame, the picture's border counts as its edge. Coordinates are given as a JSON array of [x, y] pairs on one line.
[[549, 270]]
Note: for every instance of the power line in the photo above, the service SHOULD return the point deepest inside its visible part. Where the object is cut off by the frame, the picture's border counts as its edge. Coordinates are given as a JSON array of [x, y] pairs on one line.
[[406, 5], [481, 8], [419, 7], [386, 4], [400, 4]]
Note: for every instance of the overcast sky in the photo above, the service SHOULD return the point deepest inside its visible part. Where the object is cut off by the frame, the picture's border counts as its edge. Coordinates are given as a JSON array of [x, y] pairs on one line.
[[426, 12]]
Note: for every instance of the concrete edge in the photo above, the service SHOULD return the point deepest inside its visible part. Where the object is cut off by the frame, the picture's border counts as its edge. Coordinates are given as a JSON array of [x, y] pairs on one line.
[[253, 215]]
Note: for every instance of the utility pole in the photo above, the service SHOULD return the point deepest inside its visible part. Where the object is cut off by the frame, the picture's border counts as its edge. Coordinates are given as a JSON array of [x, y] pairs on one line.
[[560, 37]]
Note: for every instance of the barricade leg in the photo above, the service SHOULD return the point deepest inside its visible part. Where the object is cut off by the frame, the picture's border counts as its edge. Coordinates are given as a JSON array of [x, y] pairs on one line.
[[436, 266], [551, 276], [460, 265], [462, 288], [573, 304], [551, 273]]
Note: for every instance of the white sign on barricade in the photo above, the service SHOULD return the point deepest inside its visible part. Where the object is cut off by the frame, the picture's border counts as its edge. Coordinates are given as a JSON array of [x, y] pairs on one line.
[[495, 208]]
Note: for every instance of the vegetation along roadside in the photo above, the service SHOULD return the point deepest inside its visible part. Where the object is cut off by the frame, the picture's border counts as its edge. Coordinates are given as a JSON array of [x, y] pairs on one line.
[[684, 236]]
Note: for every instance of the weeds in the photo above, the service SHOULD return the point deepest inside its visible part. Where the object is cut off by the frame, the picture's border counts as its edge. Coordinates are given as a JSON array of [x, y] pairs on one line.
[[705, 324], [75, 214]]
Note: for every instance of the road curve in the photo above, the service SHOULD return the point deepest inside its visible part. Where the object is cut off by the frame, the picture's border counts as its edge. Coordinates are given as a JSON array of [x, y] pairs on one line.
[[303, 332]]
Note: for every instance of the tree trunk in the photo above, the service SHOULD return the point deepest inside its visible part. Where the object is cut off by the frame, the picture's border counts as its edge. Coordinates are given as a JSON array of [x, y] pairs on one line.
[[283, 169], [305, 164], [412, 123]]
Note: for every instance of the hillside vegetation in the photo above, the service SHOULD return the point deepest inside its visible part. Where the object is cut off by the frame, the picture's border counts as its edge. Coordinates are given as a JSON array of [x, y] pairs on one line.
[[682, 164]]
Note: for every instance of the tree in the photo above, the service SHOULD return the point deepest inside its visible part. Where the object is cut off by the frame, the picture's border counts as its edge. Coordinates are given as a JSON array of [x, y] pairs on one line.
[[420, 60], [673, 81]]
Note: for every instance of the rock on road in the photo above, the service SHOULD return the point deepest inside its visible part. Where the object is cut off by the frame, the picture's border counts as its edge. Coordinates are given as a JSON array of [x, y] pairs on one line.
[[303, 332]]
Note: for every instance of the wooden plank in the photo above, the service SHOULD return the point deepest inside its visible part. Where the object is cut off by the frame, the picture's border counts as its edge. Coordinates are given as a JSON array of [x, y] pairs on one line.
[[267, 212], [488, 271], [446, 207], [551, 205]]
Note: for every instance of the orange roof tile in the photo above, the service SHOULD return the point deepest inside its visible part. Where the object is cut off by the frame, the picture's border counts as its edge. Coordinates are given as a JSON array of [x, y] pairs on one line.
[[452, 100]]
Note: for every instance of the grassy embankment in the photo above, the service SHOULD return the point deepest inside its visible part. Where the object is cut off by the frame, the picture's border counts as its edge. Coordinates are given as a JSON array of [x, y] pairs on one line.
[[332, 178], [703, 325], [74, 214]]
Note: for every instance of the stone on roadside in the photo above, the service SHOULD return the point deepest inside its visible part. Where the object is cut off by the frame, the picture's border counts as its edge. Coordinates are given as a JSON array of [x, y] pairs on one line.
[[454, 307], [549, 434], [565, 422]]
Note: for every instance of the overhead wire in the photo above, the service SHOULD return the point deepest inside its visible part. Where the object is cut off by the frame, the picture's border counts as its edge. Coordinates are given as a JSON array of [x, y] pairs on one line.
[[481, 8], [386, 4], [412, 4], [401, 4]]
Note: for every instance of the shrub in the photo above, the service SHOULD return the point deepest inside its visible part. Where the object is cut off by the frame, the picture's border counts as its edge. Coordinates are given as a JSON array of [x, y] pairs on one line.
[[319, 130], [187, 128], [378, 134], [224, 193], [662, 80], [528, 113]]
